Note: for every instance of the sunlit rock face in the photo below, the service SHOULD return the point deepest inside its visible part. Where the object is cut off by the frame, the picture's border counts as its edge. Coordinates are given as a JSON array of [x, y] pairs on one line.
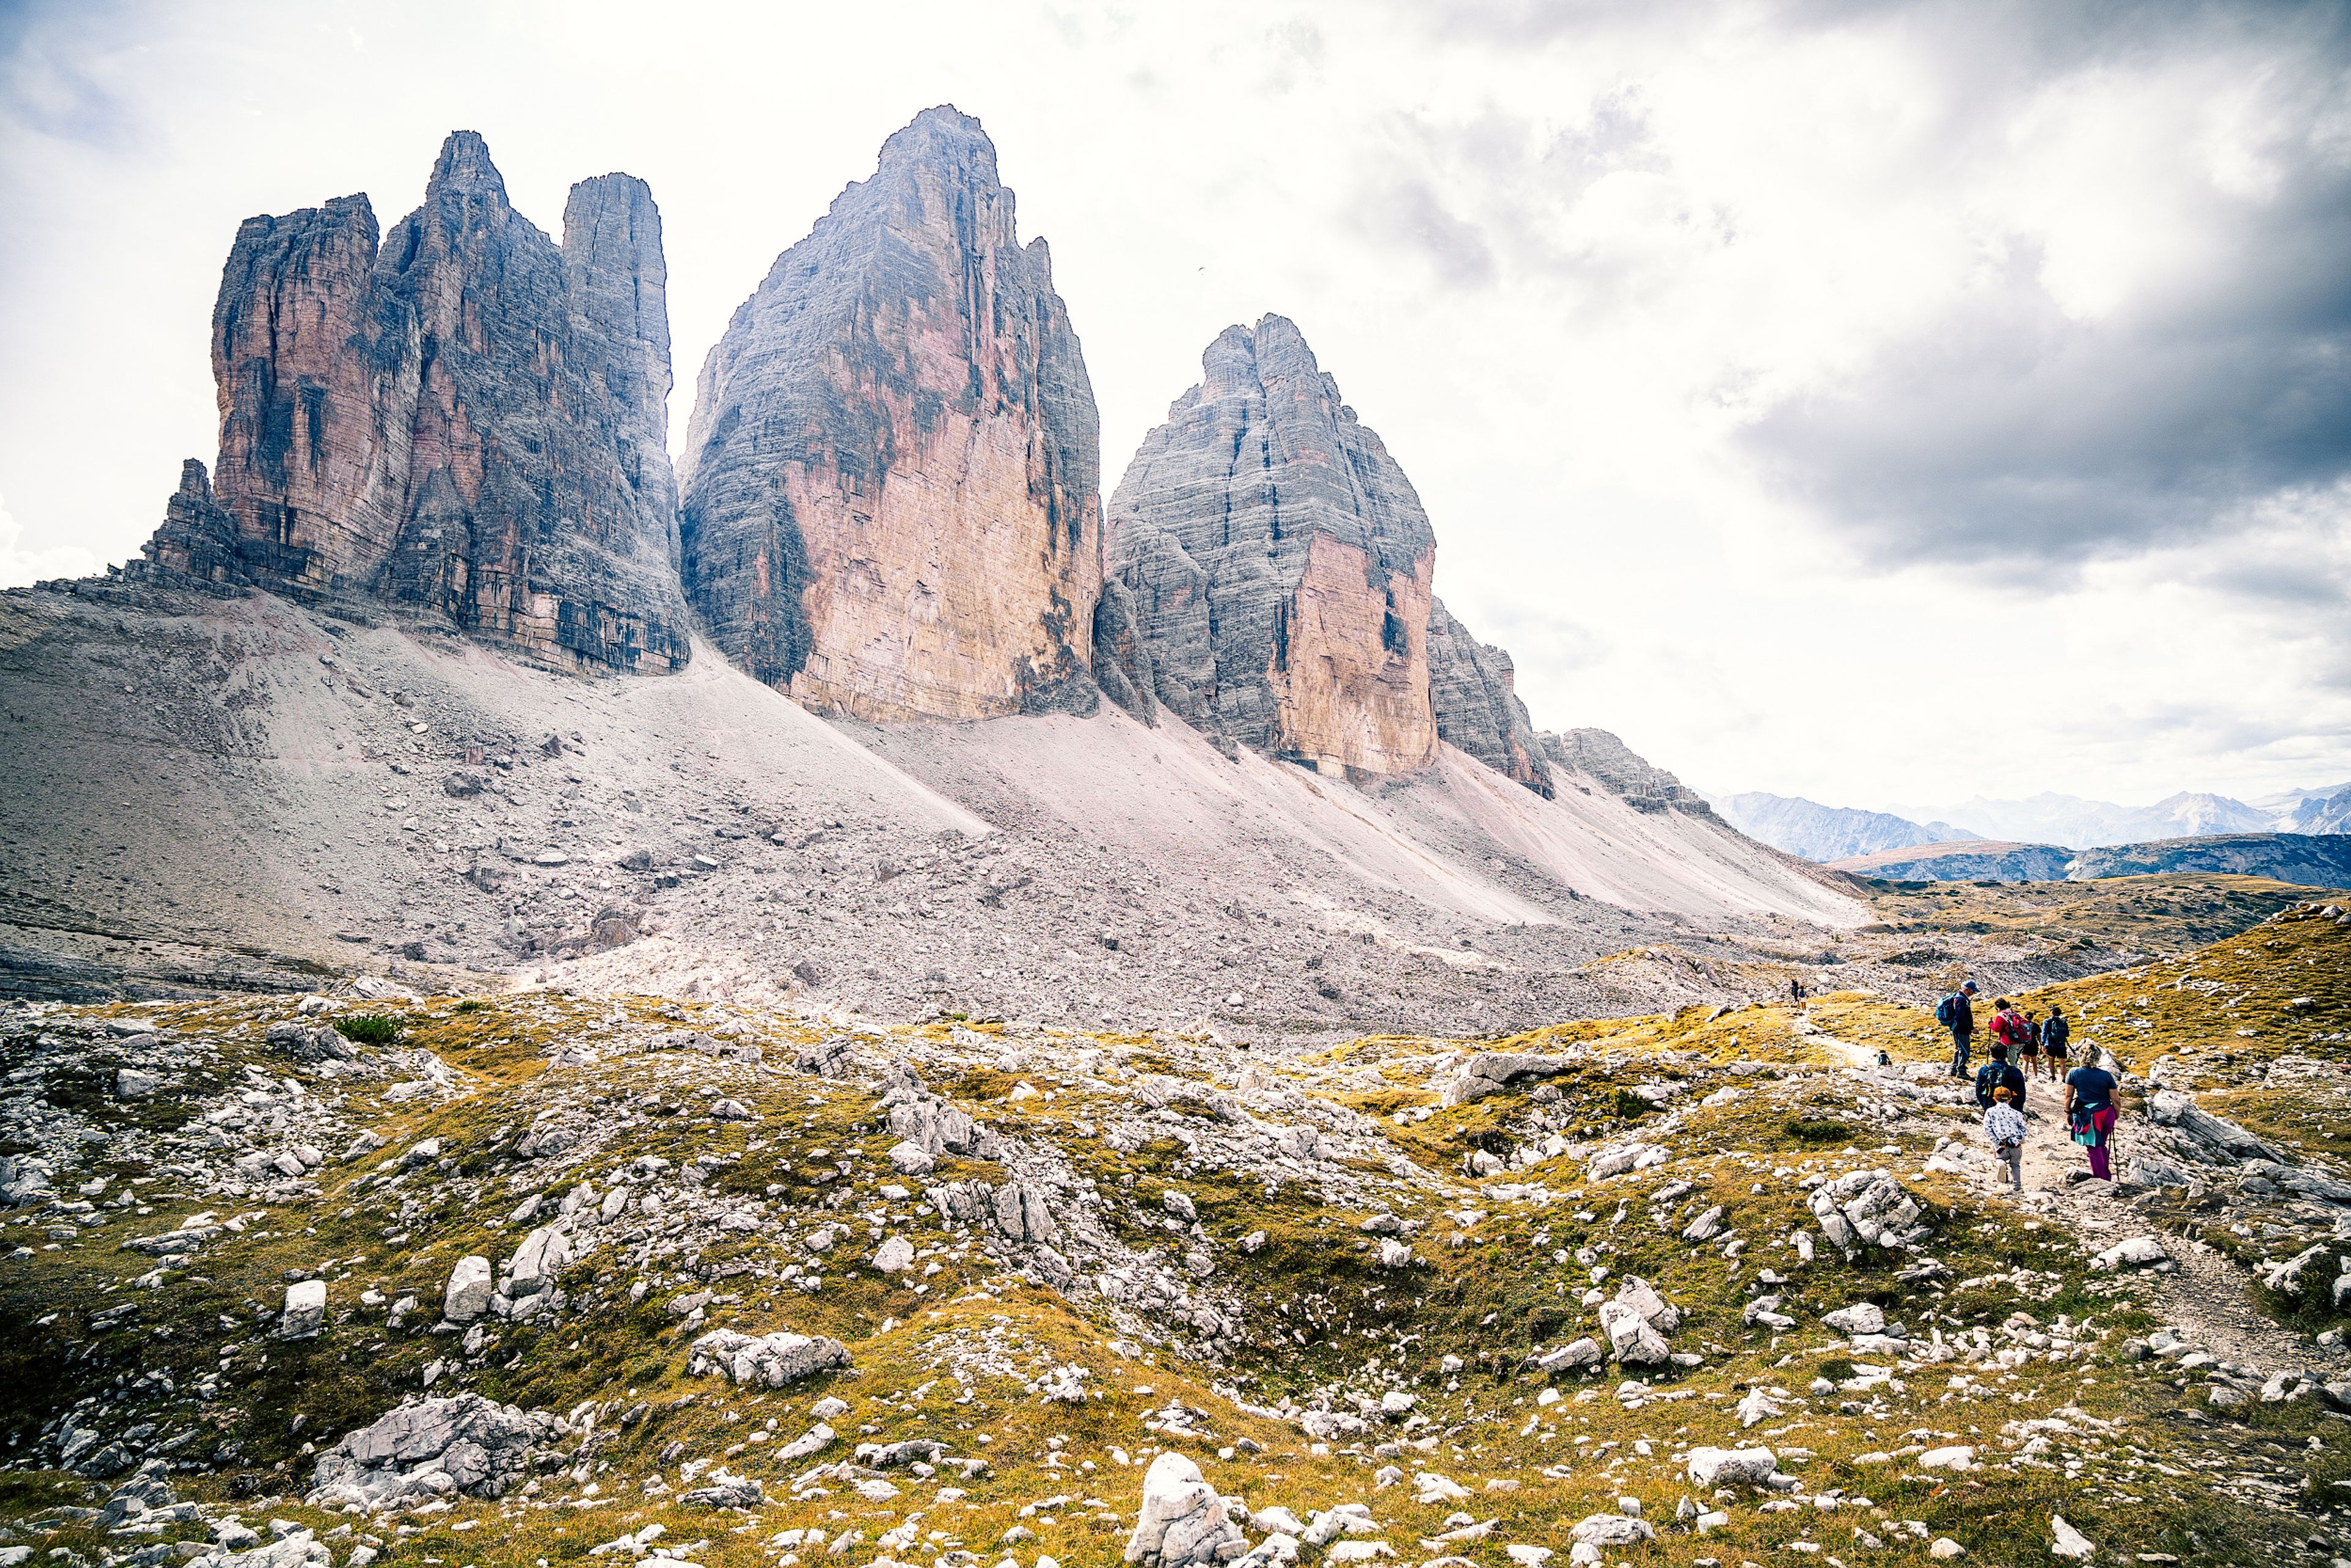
[[1280, 563], [893, 475]]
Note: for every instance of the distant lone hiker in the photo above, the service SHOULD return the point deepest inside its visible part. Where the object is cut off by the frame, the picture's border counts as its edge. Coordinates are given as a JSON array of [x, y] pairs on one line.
[[2090, 1114], [1956, 1014]]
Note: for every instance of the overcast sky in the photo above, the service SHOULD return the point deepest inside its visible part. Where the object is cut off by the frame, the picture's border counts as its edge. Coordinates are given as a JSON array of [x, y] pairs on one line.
[[1873, 402]]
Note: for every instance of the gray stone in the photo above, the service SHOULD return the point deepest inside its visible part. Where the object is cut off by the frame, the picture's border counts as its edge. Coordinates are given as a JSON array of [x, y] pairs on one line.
[[770, 1361], [306, 1309], [467, 1444], [1182, 1521], [469, 1290]]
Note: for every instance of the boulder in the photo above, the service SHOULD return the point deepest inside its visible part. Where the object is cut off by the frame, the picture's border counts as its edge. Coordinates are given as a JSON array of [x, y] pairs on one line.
[[1611, 1529], [2135, 1253], [467, 1295], [467, 1444], [306, 1309], [2222, 1141], [1182, 1520], [1862, 1317], [1731, 1466], [1490, 1072], [770, 1361], [2067, 1542], [725, 1490], [1630, 1338], [1656, 1311]]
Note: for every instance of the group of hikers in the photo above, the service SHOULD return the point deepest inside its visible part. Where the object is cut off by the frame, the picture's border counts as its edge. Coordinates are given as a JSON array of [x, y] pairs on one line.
[[2000, 1084]]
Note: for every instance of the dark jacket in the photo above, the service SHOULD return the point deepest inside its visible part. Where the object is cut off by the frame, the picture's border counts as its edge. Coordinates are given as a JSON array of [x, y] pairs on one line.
[[1994, 1075], [1963, 1017]]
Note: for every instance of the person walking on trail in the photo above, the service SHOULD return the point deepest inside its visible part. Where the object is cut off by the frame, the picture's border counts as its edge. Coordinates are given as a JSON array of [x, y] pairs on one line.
[[1795, 990], [2053, 1036], [1996, 1077], [2003, 1126], [1956, 1013], [2007, 1028], [2091, 1114], [2028, 1044]]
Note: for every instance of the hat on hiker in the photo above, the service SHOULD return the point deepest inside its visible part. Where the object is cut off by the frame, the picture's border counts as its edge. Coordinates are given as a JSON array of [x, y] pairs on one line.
[[1967, 984], [2003, 1093]]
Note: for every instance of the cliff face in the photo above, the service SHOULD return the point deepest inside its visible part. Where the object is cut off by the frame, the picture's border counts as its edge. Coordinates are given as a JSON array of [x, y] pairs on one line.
[[466, 418], [1280, 563], [1473, 688], [893, 473], [1601, 756]]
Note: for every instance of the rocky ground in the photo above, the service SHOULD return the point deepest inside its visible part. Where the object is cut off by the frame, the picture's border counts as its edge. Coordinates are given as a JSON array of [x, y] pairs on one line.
[[550, 1276]]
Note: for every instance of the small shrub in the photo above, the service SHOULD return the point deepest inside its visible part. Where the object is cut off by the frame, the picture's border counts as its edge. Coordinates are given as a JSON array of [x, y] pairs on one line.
[[1818, 1130], [470, 1005], [1837, 1368], [1629, 1104], [369, 1028]]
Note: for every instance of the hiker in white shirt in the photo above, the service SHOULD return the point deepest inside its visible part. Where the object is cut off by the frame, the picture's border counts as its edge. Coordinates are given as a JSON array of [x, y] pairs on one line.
[[2003, 1125]]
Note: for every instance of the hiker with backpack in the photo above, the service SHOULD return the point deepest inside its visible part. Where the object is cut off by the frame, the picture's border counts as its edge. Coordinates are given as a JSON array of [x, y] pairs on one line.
[[1996, 1077], [2028, 1045], [2007, 1026], [2003, 1126], [2091, 1114], [1955, 1013], [2053, 1036]]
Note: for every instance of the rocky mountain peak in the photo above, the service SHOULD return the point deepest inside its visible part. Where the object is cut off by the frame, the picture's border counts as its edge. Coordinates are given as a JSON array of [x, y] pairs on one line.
[[892, 473], [1277, 566], [464, 167], [464, 420]]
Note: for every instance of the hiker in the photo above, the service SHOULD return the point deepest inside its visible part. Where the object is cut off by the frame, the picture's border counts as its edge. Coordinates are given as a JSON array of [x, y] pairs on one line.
[[1956, 1014], [2006, 1026], [2091, 1114], [1997, 1076], [2028, 1045], [1795, 990], [1883, 1059], [2003, 1126], [2053, 1036]]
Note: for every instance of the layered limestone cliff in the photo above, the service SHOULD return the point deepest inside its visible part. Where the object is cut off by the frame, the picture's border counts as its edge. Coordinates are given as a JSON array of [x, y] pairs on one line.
[[1279, 563], [1602, 757], [464, 418], [1473, 689], [892, 480]]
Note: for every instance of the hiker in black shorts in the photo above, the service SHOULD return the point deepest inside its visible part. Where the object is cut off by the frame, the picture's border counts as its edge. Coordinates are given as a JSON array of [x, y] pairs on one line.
[[2053, 1036], [2028, 1045]]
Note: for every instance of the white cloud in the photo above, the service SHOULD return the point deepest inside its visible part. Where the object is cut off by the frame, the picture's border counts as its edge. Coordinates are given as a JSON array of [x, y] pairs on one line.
[[19, 566]]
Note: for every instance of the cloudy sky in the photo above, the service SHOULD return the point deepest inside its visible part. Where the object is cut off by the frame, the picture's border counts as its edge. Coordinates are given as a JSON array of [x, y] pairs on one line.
[[1871, 402]]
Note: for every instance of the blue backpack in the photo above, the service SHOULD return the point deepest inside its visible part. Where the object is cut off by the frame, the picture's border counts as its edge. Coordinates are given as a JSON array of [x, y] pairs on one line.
[[1947, 1010]]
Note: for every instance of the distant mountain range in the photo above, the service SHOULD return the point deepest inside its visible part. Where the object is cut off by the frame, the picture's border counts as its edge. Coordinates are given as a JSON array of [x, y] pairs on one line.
[[1818, 832], [2308, 860]]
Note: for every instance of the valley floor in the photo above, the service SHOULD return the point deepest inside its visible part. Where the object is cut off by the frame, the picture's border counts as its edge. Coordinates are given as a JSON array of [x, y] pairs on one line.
[[731, 1283]]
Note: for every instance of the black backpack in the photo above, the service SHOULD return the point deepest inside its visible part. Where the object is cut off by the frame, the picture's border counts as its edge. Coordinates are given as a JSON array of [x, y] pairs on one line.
[[1989, 1078], [2056, 1032]]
